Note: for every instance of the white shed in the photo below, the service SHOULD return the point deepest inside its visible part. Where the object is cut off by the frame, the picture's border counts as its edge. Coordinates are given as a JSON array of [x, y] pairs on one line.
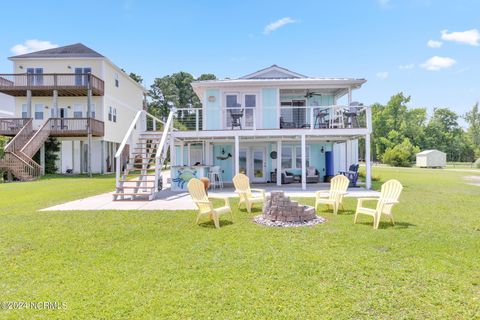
[[431, 159]]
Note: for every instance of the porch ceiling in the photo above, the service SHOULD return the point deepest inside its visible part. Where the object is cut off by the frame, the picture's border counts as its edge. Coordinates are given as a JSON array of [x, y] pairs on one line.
[[271, 139]]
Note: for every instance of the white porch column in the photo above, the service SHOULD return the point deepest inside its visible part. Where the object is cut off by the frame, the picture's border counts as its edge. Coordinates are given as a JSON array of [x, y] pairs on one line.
[[279, 162], [55, 104], [189, 163], [304, 163], [368, 163], [181, 154], [237, 154], [172, 151], [206, 151], [368, 173], [29, 104]]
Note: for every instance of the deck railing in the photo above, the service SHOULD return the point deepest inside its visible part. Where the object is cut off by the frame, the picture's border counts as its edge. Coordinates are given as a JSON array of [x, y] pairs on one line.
[[75, 127], [51, 81], [11, 126], [284, 117]]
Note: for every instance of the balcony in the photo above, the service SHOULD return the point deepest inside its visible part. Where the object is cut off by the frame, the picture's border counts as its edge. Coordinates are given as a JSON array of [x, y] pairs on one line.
[[43, 85], [57, 127], [285, 118]]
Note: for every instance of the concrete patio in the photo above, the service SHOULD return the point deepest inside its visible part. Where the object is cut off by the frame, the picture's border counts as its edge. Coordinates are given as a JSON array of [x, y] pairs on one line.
[[170, 200]]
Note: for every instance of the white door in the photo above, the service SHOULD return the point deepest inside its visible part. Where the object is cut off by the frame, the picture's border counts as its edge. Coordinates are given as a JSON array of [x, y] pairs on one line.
[[258, 165]]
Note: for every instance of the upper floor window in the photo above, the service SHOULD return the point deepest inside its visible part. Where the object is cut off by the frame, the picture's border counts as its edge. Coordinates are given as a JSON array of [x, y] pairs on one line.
[[110, 113], [35, 76], [81, 76], [38, 111], [115, 76], [77, 110], [24, 111], [114, 114]]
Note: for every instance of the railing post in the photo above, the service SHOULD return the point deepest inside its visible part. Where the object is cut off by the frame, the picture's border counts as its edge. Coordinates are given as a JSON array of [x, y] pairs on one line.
[[312, 125], [154, 124], [196, 119]]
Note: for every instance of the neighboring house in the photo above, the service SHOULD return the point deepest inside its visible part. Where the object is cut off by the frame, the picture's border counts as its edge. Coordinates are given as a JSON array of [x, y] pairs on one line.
[[72, 93], [6, 106], [431, 159]]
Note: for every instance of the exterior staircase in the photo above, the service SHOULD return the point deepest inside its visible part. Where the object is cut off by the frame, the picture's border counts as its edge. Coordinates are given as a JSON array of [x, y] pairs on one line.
[[140, 158], [138, 178], [20, 150]]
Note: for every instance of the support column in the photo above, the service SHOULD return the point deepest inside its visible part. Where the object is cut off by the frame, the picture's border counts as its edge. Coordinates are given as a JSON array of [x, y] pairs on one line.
[[189, 162], [237, 155], [206, 151], [29, 103], [89, 127], [82, 161], [55, 103], [304, 163], [349, 95], [42, 158], [279, 162], [102, 147], [368, 163], [181, 154], [173, 159]]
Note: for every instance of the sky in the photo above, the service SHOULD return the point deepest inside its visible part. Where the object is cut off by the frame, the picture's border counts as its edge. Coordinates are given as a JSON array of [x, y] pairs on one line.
[[427, 49]]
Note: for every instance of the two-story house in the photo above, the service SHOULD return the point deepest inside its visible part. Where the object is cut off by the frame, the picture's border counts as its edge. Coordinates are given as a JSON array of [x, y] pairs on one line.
[[72, 93]]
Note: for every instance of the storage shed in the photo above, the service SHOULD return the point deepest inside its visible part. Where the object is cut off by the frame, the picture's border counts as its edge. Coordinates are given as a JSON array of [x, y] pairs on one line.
[[431, 159]]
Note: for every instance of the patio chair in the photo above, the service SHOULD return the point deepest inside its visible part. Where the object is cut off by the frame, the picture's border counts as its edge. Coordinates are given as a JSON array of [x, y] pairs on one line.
[[389, 196], [242, 187], [313, 176], [286, 124], [196, 188], [334, 198], [351, 174], [287, 178]]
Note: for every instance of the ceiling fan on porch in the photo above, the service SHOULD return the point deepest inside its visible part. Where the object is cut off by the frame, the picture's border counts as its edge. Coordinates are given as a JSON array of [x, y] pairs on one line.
[[310, 94]]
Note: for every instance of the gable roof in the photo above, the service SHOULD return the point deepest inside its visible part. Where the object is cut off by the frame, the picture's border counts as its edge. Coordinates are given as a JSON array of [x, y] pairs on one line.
[[77, 50], [425, 152], [274, 72]]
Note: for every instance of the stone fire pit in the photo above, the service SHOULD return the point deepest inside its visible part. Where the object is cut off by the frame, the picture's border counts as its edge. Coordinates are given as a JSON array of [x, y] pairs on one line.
[[280, 211]]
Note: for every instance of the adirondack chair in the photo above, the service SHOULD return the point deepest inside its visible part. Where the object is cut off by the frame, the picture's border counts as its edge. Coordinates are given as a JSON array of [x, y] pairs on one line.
[[333, 198], [242, 187], [389, 196], [196, 188]]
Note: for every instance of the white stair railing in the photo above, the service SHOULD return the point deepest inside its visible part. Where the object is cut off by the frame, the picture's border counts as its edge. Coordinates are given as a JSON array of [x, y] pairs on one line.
[[162, 151]]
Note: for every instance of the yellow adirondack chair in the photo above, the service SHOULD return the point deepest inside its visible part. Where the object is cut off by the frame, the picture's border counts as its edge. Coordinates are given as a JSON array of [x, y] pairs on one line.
[[389, 196], [333, 198], [196, 189], [242, 187]]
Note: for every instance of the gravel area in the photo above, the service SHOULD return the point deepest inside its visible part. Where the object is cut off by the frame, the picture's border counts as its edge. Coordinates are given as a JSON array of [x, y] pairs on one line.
[[280, 224]]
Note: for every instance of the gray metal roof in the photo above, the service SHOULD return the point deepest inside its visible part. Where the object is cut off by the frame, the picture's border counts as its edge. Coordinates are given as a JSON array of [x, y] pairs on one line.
[[77, 50]]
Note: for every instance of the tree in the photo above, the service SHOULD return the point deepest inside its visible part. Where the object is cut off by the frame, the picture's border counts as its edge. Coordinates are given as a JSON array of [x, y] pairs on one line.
[[401, 155], [52, 148], [136, 77], [473, 119]]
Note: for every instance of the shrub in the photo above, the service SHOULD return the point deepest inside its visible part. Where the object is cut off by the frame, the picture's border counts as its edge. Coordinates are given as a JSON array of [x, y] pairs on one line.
[[477, 163], [402, 155]]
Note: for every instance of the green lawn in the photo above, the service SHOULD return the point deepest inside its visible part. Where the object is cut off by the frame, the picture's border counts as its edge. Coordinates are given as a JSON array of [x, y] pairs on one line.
[[119, 264]]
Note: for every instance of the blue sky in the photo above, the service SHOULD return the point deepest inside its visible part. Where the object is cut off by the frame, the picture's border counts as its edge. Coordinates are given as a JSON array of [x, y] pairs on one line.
[[384, 41]]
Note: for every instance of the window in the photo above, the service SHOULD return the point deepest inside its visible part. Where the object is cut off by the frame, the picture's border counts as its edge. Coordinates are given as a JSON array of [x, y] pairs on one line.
[[53, 112], [115, 115], [287, 157], [250, 104], [92, 110], [115, 76], [35, 76], [298, 156], [24, 111], [294, 152], [110, 113], [232, 105], [81, 76], [77, 110], [38, 111]]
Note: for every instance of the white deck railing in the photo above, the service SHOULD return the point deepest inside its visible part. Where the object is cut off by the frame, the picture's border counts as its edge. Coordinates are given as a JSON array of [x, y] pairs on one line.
[[286, 117], [162, 150]]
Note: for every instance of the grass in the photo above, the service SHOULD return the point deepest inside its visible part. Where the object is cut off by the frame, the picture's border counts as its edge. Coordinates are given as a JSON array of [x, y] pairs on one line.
[[158, 264]]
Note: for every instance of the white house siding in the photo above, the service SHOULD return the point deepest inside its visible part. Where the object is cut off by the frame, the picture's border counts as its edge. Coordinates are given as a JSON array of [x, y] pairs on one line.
[[7, 105], [73, 159]]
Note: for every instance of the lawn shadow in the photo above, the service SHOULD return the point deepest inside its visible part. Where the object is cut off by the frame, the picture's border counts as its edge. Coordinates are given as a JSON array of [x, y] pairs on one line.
[[211, 225], [388, 225]]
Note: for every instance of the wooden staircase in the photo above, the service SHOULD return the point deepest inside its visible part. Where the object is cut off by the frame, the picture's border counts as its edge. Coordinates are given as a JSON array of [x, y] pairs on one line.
[[137, 181], [20, 150]]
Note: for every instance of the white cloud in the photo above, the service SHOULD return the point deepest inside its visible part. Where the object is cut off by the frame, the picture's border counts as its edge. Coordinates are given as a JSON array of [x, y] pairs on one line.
[[406, 66], [32, 46], [471, 37], [382, 75], [434, 44], [436, 63], [278, 24]]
